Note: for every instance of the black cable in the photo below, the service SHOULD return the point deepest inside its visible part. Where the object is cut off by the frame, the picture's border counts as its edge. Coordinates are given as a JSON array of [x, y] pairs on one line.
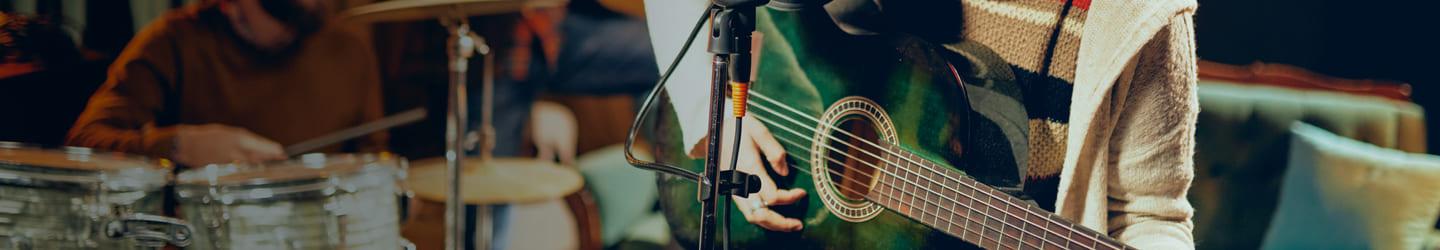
[[734, 160], [645, 109]]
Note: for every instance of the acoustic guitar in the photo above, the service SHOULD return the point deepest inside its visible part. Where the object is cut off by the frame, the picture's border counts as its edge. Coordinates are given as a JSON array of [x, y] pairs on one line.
[[879, 131]]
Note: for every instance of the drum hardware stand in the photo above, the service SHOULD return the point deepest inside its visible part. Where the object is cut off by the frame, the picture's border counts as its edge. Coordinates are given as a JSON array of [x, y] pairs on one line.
[[461, 45], [142, 228], [146, 230]]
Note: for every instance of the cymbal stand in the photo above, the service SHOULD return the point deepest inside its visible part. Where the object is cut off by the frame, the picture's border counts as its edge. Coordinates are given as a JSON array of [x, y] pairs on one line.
[[461, 45]]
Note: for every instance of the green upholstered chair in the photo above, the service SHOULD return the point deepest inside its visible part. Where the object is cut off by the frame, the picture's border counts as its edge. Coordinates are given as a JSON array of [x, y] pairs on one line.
[[1243, 140], [1339, 193], [625, 197]]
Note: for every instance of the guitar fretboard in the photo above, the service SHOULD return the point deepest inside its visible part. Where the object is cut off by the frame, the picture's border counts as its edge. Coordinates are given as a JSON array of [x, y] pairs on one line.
[[949, 201]]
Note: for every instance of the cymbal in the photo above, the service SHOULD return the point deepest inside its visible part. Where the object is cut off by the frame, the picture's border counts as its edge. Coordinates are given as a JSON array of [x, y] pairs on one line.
[[414, 10], [501, 180]]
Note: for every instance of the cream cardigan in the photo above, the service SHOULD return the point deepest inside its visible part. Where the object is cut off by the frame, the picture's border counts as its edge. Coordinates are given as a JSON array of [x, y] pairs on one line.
[[1132, 124], [1132, 120]]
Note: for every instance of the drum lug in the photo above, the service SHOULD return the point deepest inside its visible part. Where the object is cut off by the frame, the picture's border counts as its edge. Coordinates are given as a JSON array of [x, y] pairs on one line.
[[151, 230]]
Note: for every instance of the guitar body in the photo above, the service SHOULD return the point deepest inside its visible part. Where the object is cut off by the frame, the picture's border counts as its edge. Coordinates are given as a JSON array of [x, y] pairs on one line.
[[891, 88]]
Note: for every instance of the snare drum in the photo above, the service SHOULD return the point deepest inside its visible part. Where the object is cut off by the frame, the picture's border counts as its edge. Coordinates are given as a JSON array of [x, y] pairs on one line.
[[314, 202], [76, 198]]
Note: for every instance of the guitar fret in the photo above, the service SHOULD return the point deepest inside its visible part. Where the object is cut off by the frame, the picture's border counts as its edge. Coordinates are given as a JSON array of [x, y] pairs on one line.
[[1010, 210], [888, 184], [907, 203], [1009, 238], [920, 200], [1018, 212], [950, 220], [914, 189], [1079, 236], [1096, 243], [950, 206], [929, 193], [912, 179], [985, 220], [910, 193], [1015, 235], [963, 207], [1089, 239], [926, 198], [1063, 241], [885, 190], [976, 222], [932, 209], [895, 191], [966, 220], [1070, 240], [974, 209], [1093, 244], [1044, 235], [991, 210], [994, 224], [941, 193], [881, 192]]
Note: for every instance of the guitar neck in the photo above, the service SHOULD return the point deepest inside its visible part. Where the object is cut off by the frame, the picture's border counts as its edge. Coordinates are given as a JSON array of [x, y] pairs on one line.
[[949, 201]]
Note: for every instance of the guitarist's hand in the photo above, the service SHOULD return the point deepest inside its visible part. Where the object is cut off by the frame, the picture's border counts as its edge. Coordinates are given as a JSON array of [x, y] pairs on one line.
[[755, 142]]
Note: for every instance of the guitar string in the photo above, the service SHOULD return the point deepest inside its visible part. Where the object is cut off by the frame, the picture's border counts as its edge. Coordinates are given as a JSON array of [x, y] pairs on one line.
[[938, 205], [936, 214], [950, 221], [891, 153], [858, 138], [1029, 208]]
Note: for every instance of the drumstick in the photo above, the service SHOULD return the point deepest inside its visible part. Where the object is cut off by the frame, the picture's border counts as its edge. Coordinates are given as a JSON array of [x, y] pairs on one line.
[[388, 122]]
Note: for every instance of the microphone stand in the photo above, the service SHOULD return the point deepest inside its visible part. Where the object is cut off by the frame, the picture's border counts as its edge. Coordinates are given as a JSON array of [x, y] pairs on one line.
[[732, 22], [730, 43]]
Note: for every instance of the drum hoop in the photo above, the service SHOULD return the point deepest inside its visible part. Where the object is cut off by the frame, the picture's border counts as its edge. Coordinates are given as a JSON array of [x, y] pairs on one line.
[[376, 170], [279, 190], [25, 174]]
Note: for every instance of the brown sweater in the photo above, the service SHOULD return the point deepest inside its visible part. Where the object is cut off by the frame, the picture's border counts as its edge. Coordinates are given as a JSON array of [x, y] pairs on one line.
[[189, 67]]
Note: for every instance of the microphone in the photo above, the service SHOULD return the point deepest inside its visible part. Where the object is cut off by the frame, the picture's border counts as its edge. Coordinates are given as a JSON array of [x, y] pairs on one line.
[[795, 5]]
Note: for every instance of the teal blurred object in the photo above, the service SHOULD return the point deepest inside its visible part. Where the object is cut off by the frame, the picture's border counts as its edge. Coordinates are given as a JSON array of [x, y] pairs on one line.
[[1242, 140], [1339, 193], [625, 195]]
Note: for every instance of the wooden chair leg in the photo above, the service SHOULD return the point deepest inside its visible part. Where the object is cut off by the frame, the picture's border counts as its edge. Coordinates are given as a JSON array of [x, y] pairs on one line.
[[587, 218]]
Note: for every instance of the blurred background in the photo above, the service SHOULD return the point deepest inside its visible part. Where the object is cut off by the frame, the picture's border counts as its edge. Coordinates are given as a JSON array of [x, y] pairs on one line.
[[1362, 71]]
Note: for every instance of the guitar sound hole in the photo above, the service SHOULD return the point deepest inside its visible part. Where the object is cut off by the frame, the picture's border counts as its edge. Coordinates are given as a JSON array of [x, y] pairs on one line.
[[856, 151]]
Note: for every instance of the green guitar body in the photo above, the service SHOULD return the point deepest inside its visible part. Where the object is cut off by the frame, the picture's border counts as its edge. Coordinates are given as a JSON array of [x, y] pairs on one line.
[[809, 64]]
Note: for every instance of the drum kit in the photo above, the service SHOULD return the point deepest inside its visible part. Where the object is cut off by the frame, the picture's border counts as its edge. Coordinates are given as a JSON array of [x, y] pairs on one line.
[[79, 198]]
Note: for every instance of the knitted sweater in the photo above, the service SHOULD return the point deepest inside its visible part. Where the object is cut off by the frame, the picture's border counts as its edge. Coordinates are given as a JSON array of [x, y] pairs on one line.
[[1026, 35]]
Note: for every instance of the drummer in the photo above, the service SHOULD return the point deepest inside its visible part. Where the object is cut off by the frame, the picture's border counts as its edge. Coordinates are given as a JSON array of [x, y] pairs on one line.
[[223, 81]]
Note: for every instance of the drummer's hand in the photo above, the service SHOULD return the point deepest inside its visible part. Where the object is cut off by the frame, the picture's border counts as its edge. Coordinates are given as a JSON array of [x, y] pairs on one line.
[[757, 140], [199, 145], [554, 131]]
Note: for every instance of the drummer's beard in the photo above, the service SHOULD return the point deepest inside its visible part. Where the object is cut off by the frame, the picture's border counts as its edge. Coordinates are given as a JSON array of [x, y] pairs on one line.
[[301, 20]]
